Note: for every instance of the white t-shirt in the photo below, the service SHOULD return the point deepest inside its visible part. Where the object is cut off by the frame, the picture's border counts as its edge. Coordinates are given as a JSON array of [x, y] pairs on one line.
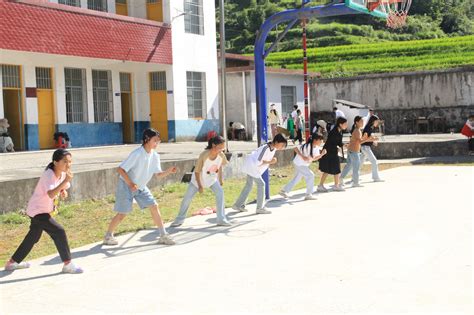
[[294, 114], [253, 165], [340, 113], [209, 169], [140, 166], [298, 161]]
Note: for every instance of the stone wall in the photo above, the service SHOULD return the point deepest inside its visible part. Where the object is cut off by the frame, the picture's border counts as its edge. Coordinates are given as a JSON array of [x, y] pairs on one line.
[[445, 97]]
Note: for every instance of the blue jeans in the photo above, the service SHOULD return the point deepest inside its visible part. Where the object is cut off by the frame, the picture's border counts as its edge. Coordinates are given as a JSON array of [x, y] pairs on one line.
[[367, 153], [188, 197], [353, 162], [246, 191], [302, 171]]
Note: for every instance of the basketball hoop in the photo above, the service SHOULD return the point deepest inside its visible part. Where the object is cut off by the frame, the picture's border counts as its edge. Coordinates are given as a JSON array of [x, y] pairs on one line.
[[396, 10]]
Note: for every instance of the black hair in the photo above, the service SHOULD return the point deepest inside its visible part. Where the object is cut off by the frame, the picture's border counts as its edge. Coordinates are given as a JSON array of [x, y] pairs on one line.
[[279, 139], [148, 134], [214, 141], [356, 119], [274, 111], [298, 111], [231, 123], [313, 137], [371, 121], [340, 121], [58, 155], [334, 108], [471, 116], [295, 106]]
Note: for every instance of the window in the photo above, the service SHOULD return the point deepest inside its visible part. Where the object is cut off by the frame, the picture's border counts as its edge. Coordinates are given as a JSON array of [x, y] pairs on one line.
[[194, 17], [158, 81], [75, 83], [196, 83], [43, 78], [102, 94], [11, 76], [74, 3], [98, 5], [288, 99], [125, 82], [121, 7]]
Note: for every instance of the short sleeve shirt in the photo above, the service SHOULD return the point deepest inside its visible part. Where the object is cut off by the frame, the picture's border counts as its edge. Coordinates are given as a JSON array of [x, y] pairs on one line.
[[306, 151], [141, 165], [40, 202], [209, 169], [253, 164]]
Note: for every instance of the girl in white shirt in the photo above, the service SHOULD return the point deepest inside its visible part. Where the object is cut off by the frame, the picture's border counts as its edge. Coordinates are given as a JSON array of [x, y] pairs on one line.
[[255, 164], [207, 174], [305, 155]]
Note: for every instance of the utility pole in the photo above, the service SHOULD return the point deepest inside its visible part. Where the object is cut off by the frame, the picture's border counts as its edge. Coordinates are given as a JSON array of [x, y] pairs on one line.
[[222, 61]]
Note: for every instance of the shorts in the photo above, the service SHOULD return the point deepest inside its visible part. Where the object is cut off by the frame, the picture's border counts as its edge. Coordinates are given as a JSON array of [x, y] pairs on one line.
[[124, 198]]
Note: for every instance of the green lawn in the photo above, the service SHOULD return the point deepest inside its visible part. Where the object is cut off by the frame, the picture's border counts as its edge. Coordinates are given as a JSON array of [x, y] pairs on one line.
[[86, 222]]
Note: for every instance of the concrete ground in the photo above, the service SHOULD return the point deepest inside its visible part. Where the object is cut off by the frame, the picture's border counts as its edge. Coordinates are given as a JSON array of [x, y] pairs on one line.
[[30, 164], [397, 247]]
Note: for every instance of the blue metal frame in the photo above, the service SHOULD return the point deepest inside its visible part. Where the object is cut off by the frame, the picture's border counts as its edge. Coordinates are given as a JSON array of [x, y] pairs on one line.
[[291, 16]]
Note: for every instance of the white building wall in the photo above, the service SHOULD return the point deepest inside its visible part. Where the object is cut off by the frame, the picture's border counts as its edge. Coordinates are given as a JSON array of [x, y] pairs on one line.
[[31, 103], [2, 112], [141, 99], [193, 52]]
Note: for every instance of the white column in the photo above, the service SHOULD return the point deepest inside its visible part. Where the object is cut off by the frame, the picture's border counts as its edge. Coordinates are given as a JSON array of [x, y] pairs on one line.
[[117, 100], [2, 112], [137, 8], [31, 103], [59, 94], [170, 97], [84, 4], [111, 6], [90, 96]]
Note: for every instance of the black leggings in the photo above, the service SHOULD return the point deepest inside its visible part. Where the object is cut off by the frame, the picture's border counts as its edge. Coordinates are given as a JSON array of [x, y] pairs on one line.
[[39, 223], [470, 141]]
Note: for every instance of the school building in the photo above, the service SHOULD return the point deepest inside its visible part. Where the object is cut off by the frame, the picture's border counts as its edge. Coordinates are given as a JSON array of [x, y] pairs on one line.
[[104, 70]]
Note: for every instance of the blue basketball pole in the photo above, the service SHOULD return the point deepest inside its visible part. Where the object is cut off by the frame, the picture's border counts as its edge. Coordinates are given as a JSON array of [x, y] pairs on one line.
[[291, 16]]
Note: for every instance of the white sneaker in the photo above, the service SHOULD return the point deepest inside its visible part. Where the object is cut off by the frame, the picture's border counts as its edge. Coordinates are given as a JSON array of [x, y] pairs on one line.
[[310, 197], [166, 240], [263, 211], [10, 266], [224, 223], [239, 208], [321, 189], [378, 180], [338, 188], [71, 268], [356, 185], [110, 240], [284, 194]]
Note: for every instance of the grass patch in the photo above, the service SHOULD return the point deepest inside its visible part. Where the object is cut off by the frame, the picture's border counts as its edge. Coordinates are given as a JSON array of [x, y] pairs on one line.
[[86, 221]]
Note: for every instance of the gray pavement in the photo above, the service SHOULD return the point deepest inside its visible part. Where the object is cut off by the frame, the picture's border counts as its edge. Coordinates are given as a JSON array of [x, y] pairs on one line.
[[30, 164], [397, 247]]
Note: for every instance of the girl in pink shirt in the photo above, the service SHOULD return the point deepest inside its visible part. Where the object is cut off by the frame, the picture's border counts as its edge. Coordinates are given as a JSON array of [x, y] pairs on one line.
[[52, 185]]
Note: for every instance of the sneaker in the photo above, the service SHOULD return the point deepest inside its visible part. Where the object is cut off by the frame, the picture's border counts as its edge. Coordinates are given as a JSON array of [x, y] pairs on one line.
[[110, 240], [239, 208], [310, 197], [10, 266], [166, 240], [356, 185], [263, 211], [338, 188], [321, 189], [284, 194], [378, 180], [176, 223], [224, 223], [71, 268]]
